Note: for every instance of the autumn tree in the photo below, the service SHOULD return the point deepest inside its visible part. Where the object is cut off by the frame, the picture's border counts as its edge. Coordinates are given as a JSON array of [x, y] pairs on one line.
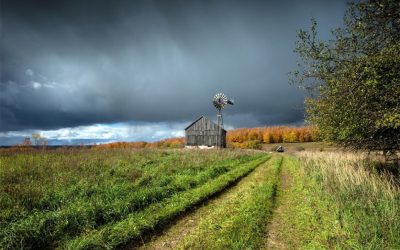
[[354, 78]]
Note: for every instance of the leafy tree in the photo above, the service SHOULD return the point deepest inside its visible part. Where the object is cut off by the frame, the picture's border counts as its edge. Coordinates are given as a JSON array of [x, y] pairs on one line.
[[354, 78]]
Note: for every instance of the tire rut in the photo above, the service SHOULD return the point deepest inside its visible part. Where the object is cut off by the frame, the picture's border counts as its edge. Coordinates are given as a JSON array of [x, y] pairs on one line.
[[174, 234], [274, 237]]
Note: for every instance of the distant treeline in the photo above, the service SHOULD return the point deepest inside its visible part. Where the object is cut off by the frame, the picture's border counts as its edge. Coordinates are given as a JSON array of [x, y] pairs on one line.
[[166, 143], [253, 137], [237, 138]]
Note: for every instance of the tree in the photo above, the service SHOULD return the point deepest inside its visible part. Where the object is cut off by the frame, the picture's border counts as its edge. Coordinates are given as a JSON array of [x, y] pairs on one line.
[[354, 79]]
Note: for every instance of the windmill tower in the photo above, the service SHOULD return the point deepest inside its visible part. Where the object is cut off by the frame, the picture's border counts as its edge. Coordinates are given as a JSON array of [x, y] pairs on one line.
[[220, 101]]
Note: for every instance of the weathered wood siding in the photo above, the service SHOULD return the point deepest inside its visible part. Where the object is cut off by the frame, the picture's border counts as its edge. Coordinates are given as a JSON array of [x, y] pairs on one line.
[[204, 132]]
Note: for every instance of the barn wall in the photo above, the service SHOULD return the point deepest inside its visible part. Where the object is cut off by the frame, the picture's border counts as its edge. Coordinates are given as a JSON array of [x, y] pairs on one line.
[[204, 132]]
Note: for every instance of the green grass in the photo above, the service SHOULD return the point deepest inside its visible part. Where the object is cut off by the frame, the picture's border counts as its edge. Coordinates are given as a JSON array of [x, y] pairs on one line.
[[307, 221], [242, 223], [337, 202], [86, 199], [53, 197], [291, 147], [116, 234]]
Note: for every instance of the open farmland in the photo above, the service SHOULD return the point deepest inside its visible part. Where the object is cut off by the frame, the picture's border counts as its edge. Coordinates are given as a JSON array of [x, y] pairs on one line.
[[48, 199], [314, 200], [193, 199]]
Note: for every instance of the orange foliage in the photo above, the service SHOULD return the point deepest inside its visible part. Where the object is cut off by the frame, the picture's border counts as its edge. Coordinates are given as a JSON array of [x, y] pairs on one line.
[[255, 144], [166, 143], [271, 135], [237, 138], [17, 148], [25, 146]]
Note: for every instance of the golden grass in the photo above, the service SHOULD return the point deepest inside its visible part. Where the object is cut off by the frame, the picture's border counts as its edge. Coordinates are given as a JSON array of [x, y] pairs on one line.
[[364, 201], [350, 170]]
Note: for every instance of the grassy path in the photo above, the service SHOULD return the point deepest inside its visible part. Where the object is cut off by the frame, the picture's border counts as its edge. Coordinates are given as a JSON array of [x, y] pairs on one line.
[[303, 217], [333, 203], [101, 199], [289, 203], [276, 238], [154, 216], [233, 220], [267, 201]]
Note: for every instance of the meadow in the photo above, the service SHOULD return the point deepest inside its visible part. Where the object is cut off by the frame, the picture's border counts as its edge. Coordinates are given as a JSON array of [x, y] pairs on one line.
[[197, 199], [353, 202], [309, 200], [49, 198]]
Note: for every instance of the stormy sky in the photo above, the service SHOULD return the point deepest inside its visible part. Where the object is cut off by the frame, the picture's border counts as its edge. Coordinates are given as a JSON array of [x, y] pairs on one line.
[[98, 71]]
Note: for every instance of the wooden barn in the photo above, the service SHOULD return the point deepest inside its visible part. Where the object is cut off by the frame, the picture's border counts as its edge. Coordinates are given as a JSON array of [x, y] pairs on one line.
[[203, 132]]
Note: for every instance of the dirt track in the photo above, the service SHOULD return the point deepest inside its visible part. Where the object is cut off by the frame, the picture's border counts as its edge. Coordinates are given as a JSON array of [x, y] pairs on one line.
[[174, 235]]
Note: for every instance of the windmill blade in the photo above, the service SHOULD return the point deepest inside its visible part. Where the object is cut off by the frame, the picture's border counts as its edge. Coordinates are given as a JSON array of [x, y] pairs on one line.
[[217, 105], [220, 100]]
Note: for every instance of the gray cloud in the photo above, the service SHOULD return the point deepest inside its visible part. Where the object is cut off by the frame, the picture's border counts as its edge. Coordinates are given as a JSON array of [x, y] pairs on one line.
[[74, 63]]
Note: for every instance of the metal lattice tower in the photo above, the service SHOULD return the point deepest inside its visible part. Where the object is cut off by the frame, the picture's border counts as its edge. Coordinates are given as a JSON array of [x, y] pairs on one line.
[[220, 101]]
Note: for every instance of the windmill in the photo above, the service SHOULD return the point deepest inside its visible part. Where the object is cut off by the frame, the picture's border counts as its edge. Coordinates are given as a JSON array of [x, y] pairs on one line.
[[220, 101]]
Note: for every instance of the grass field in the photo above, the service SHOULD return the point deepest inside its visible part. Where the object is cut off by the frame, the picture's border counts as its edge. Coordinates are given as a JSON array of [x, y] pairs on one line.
[[48, 199], [194, 199], [336, 200], [240, 223], [300, 146]]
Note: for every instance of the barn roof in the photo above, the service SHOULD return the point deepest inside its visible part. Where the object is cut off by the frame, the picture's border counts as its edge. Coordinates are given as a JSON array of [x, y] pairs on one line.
[[201, 118]]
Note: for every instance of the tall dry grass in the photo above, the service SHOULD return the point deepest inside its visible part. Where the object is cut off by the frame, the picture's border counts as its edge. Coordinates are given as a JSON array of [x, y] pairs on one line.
[[348, 170], [365, 201]]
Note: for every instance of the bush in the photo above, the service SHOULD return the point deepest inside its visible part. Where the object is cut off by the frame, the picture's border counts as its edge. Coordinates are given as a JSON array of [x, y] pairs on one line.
[[254, 144]]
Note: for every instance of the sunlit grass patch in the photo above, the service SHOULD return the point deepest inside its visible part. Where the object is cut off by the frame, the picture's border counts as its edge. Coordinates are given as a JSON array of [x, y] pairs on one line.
[[240, 224], [339, 201], [116, 234], [51, 197]]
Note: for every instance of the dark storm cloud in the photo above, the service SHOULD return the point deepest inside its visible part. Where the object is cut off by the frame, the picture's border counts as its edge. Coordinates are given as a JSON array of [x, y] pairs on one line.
[[71, 63]]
